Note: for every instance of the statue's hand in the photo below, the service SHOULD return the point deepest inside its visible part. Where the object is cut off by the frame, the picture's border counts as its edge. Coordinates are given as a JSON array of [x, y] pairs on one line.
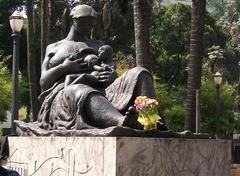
[[75, 66], [107, 77]]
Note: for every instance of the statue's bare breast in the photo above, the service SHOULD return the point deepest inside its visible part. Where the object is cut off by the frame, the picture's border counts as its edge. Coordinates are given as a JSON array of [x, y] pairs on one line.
[[63, 49]]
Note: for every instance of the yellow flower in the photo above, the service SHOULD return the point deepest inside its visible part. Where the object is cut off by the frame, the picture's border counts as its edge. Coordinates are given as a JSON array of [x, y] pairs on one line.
[[152, 103]]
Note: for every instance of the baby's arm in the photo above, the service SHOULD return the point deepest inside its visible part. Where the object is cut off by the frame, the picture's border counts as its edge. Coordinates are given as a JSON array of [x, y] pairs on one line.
[[70, 79], [86, 79], [98, 68]]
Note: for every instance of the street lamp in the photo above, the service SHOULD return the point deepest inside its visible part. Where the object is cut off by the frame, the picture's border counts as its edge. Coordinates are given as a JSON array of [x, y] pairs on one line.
[[218, 81], [16, 23]]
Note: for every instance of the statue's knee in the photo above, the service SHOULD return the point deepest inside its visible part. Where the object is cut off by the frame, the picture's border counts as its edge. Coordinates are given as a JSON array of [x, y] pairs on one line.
[[145, 76]]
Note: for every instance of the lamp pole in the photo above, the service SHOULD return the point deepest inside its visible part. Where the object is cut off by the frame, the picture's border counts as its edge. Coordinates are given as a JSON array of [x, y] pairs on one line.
[[16, 23], [197, 111], [218, 81], [15, 104], [217, 109]]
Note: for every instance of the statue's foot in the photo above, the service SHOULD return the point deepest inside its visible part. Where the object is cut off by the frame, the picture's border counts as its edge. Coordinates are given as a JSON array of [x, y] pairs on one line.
[[161, 125], [131, 119]]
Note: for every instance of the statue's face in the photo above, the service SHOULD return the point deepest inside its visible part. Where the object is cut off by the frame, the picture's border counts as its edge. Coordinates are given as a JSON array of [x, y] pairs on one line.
[[83, 24]]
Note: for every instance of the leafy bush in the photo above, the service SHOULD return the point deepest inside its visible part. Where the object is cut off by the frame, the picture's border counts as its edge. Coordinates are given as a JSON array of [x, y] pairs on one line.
[[174, 117], [5, 89], [226, 120], [123, 62], [171, 104]]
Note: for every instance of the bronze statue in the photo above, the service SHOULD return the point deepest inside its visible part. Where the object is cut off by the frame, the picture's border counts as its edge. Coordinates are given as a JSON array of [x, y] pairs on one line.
[[80, 85]]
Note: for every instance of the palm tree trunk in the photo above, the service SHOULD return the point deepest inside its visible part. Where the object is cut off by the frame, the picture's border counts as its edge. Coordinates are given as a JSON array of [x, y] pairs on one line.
[[50, 21], [44, 28], [195, 60], [31, 62], [142, 13], [65, 22]]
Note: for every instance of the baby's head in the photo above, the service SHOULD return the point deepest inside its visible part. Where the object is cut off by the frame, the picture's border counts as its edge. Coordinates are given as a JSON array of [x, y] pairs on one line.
[[105, 52], [91, 60]]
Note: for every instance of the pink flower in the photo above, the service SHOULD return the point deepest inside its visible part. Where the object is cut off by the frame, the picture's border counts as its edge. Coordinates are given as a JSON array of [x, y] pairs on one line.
[[140, 106]]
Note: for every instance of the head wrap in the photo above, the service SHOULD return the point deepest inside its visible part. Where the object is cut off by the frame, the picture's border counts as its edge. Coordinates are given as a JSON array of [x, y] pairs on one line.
[[82, 11]]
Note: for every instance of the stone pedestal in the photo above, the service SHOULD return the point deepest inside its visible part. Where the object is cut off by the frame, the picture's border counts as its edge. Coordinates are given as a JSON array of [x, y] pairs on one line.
[[119, 156]]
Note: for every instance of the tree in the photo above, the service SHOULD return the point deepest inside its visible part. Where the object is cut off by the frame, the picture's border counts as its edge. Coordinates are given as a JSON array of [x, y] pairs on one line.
[[170, 41], [195, 60], [103, 20], [122, 38], [231, 22], [142, 13], [31, 62], [44, 27], [217, 7], [229, 19]]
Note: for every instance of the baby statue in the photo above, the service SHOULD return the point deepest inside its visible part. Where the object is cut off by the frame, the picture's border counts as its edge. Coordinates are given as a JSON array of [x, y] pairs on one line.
[[97, 62]]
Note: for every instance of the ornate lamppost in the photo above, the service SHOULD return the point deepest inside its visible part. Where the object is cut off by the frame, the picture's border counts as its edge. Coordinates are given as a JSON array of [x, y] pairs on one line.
[[16, 23], [218, 81]]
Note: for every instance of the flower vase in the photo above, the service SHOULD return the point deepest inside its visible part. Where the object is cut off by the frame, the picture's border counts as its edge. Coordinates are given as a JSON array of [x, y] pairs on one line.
[[150, 126]]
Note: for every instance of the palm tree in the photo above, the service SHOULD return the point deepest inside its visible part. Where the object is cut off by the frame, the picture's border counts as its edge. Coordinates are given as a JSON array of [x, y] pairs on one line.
[[195, 60], [45, 30], [142, 13], [31, 61]]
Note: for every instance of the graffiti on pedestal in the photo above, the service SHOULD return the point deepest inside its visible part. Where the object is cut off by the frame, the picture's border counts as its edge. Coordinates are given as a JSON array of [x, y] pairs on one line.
[[64, 162]]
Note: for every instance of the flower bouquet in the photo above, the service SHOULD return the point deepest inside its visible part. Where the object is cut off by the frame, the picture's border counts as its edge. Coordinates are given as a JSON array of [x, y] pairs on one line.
[[148, 115]]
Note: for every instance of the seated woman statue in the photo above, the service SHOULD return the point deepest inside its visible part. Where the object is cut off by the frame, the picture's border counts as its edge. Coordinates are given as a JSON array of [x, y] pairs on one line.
[[104, 102]]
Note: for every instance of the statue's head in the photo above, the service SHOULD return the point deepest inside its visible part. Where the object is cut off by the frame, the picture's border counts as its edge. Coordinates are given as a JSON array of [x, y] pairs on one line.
[[82, 11], [83, 18]]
